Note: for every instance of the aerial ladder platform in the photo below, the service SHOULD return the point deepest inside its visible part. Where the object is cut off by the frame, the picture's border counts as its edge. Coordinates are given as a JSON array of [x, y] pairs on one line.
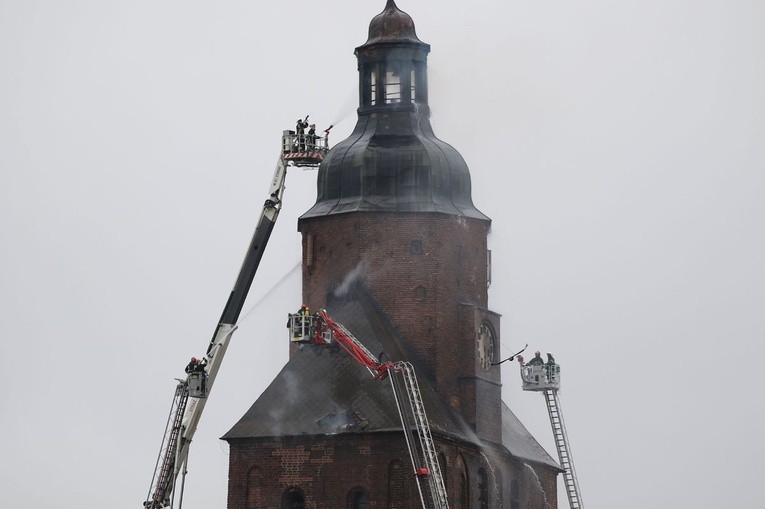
[[321, 329], [298, 148], [544, 377]]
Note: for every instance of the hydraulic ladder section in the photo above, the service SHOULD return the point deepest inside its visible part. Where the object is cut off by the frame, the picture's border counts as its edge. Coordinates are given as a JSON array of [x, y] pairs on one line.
[[562, 445], [545, 378], [414, 420], [430, 481], [163, 470]]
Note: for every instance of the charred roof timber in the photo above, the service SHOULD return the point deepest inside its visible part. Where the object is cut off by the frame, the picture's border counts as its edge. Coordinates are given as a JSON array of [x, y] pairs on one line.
[[393, 161]]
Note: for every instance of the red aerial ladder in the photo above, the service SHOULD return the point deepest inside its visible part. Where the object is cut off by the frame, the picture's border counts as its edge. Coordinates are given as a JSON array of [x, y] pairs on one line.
[[300, 149], [320, 329]]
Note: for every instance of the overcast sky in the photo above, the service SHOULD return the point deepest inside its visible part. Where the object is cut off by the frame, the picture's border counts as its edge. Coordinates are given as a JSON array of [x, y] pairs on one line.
[[617, 146]]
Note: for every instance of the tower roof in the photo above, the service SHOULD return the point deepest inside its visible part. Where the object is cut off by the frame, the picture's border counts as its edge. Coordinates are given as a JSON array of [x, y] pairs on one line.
[[391, 25], [393, 162]]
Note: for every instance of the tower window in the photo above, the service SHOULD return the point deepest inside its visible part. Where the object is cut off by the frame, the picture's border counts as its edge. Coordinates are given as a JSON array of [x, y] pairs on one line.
[[415, 247], [488, 268], [463, 498], [396, 480], [254, 488], [358, 498], [293, 499], [483, 489], [413, 86], [515, 495], [373, 88], [392, 85]]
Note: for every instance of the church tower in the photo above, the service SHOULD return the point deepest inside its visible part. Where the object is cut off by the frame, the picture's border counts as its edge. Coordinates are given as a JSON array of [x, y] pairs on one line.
[[395, 249]]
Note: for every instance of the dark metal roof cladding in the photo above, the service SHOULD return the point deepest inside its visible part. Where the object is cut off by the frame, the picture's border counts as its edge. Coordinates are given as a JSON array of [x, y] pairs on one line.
[[391, 25], [393, 162]]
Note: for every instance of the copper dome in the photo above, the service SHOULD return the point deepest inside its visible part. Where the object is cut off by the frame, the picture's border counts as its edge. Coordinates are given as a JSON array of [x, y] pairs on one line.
[[391, 25]]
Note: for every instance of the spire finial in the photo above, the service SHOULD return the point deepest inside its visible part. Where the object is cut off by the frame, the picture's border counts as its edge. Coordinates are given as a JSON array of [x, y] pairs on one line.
[[392, 25]]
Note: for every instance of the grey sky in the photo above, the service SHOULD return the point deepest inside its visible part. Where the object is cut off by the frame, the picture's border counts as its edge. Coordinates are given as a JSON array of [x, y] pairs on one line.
[[617, 146]]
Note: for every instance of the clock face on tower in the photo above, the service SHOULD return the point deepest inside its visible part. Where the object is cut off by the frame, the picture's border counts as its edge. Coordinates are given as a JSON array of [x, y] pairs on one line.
[[485, 345]]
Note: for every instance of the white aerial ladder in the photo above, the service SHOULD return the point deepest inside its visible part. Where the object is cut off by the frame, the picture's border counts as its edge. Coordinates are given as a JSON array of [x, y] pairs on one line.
[[298, 149], [544, 377], [320, 329]]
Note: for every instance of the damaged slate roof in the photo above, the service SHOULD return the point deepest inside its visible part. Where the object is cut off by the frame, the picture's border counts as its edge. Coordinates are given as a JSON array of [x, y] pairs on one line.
[[322, 391]]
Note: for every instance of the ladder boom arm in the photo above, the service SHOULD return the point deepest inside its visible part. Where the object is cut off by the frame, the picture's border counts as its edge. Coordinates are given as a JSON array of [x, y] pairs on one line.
[[255, 250], [354, 347], [231, 311], [225, 329]]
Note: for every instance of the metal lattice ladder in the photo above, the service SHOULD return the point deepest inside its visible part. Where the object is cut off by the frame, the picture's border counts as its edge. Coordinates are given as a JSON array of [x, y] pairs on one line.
[[356, 342], [434, 477], [564, 450], [163, 472]]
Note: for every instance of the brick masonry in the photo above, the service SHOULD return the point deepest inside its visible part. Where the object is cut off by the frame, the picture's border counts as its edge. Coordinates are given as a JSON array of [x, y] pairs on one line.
[[428, 272], [328, 470]]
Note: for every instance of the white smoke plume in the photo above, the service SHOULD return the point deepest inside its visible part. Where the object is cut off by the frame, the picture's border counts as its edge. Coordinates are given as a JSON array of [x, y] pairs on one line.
[[350, 278]]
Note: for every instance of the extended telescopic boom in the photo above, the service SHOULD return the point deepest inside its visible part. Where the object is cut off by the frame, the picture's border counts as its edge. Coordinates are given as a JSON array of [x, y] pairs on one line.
[[176, 451], [298, 149]]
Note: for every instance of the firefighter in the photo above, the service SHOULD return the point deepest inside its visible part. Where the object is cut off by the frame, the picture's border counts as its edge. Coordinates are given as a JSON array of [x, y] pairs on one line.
[[196, 365], [300, 322], [550, 359], [311, 138], [300, 132], [537, 360], [192, 366]]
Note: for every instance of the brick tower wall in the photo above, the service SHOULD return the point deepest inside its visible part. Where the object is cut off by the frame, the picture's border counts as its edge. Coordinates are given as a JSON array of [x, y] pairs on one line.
[[428, 272]]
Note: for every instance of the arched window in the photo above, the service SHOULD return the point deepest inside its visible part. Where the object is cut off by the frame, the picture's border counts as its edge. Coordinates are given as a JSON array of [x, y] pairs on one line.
[[254, 488], [392, 85], [358, 498], [396, 478], [515, 495], [483, 489], [463, 487], [464, 494], [442, 465], [373, 87], [392, 82], [293, 499]]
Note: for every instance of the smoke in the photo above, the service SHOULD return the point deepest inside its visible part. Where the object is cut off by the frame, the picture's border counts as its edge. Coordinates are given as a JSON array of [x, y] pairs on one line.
[[337, 422], [349, 279], [462, 221], [290, 396]]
